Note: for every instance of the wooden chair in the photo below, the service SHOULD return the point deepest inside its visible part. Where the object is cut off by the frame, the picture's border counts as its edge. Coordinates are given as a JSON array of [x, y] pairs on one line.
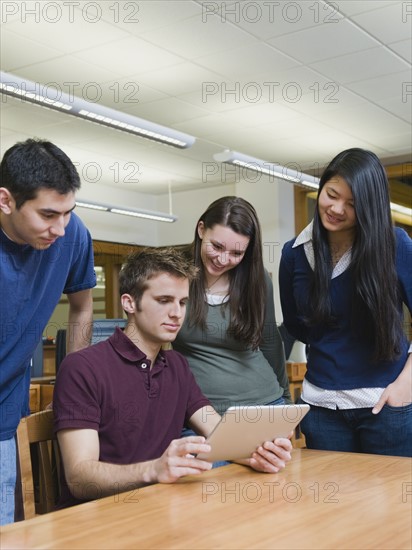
[[39, 463]]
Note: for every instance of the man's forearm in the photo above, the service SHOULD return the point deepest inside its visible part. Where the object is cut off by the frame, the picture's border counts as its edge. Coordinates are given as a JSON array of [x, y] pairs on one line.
[[79, 331], [80, 320], [93, 479]]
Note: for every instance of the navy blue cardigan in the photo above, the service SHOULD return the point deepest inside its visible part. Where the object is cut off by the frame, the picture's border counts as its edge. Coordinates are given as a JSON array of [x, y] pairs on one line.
[[340, 358]]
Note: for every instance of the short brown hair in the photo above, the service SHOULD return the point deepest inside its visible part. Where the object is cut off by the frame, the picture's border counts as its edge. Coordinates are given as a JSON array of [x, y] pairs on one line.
[[141, 266]]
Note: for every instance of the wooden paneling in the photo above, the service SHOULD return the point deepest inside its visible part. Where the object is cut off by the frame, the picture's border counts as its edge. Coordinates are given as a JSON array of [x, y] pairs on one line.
[[111, 256], [49, 360]]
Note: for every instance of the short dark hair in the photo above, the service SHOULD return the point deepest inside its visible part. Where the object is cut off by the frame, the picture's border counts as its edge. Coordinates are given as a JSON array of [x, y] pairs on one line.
[[34, 164], [142, 266]]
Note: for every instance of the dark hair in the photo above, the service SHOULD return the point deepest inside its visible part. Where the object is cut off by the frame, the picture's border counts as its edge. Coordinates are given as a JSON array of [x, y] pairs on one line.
[[247, 287], [375, 298], [141, 266], [34, 164]]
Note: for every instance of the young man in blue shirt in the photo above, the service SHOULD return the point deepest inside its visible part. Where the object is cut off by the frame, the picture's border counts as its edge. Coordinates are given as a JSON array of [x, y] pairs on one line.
[[44, 250]]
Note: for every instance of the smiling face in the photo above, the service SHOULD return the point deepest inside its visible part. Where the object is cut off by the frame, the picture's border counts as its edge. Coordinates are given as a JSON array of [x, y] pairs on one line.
[[222, 249], [160, 314], [40, 221], [336, 207]]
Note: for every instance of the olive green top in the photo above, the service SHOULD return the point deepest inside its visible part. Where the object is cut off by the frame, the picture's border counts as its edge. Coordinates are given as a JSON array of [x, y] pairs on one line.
[[228, 372]]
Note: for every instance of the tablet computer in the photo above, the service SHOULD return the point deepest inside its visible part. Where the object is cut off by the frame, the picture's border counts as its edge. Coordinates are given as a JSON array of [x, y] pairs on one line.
[[244, 428]]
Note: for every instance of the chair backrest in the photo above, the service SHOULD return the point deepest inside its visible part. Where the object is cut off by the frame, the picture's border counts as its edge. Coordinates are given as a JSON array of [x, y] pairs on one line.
[[39, 462]]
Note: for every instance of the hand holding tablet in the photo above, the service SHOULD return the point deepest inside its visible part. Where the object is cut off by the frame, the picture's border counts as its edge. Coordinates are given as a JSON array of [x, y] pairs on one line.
[[242, 429]]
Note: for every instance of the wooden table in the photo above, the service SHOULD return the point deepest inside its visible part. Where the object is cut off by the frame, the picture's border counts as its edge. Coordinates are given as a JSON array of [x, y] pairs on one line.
[[322, 500]]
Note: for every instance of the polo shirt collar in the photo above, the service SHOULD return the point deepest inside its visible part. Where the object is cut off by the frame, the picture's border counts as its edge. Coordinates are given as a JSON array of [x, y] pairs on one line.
[[128, 350]]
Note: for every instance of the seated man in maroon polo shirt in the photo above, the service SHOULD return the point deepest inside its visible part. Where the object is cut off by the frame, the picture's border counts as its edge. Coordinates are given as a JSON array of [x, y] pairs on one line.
[[121, 404]]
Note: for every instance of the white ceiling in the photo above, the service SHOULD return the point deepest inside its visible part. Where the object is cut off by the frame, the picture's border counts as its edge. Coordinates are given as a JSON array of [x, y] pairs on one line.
[[287, 82]]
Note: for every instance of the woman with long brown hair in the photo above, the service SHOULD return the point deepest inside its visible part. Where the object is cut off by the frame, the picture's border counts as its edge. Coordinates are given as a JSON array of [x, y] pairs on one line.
[[230, 337]]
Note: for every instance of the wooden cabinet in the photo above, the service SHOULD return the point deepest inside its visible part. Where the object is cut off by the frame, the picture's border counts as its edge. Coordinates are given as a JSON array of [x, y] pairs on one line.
[[49, 360], [41, 395]]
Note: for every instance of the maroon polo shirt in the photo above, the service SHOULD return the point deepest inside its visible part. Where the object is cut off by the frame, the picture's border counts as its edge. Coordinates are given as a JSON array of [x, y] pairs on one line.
[[136, 410]]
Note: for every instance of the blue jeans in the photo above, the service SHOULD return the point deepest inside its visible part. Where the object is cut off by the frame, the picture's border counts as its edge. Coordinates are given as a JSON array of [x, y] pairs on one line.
[[359, 431], [187, 431], [7, 480]]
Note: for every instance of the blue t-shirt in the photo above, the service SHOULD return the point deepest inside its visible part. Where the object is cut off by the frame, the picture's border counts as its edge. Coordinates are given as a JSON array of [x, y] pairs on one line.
[[31, 284]]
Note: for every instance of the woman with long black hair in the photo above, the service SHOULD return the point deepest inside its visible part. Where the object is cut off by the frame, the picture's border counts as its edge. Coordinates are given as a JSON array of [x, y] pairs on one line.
[[343, 283]]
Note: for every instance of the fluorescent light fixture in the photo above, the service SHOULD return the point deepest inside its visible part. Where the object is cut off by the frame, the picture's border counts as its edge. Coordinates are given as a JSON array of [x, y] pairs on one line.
[[401, 209], [92, 206], [136, 212], [268, 168], [52, 98], [310, 184]]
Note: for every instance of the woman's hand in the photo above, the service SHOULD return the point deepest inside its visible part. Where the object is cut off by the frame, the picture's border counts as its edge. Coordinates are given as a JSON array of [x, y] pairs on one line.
[[399, 392]]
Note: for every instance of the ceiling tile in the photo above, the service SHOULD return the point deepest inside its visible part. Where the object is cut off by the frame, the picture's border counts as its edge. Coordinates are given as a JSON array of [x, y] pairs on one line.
[[126, 93], [360, 65], [402, 109], [167, 111], [323, 99], [20, 51], [383, 86], [69, 75], [304, 79], [403, 48], [140, 17], [198, 37], [270, 19], [179, 79], [324, 42], [56, 24], [389, 23], [221, 95], [326, 146], [129, 56], [254, 115], [374, 119], [243, 61], [34, 119], [352, 7]]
